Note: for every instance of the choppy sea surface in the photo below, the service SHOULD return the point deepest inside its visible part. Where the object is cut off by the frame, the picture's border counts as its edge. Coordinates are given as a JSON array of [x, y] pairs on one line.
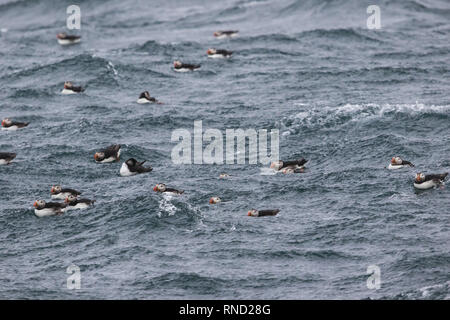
[[344, 97]]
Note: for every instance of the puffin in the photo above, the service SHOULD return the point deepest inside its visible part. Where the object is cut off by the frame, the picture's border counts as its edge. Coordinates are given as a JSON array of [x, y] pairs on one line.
[[262, 213], [224, 176], [218, 53], [145, 97], [184, 67], [132, 167], [398, 163], [226, 34], [161, 187], [65, 39], [215, 200], [45, 209], [69, 88], [293, 166], [8, 124], [6, 157], [428, 181], [59, 193], [74, 203], [109, 154]]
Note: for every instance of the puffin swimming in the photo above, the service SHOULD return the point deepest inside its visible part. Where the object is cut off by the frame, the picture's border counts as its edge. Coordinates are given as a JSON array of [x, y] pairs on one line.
[[428, 181], [294, 166], [62, 193], [8, 124], [218, 53], [145, 97], [224, 176], [214, 200], [69, 88], [185, 67], [161, 187], [6, 157], [132, 167], [262, 213], [226, 34], [45, 209], [65, 39], [398, 163], [109, 154], [74, 203]]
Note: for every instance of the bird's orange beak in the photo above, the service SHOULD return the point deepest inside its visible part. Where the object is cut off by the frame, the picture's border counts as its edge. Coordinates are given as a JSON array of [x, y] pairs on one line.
[[3, 123], [66, 200], [216, 34], [96, 156], [211, 201], [208, 51], [155, 188], [52, 190], [249, 213], [393, 160], [35, 204]]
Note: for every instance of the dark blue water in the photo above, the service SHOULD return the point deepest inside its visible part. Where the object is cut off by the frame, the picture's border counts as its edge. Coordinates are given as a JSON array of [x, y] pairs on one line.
[[344, 97]]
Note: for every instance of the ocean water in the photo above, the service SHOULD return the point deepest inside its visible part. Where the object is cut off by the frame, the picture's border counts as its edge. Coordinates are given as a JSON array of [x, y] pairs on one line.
[[344, 97]]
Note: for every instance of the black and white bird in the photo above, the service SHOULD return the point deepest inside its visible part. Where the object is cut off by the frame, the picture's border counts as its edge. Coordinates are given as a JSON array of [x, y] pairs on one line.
[[65, 39], [398, 163], [262, 213], [8, 124], [132, 167], [109, 154], [45, 209], [161, 187], [218, 53], [185, 67], [225, 34], [6, 157], [74, 203], [429, 181], [69, 88], [293, 166], [57, 192], [145, 97]]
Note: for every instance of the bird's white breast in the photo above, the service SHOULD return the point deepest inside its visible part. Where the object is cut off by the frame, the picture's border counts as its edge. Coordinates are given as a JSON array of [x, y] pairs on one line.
[[64, 42], [425, 185], [125, 172], [142, 101], [395, 167], [67, 91], [12, 128], [46, 212]]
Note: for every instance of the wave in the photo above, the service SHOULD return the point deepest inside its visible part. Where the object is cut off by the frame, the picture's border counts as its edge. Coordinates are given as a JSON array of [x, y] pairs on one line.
[[327, 117]]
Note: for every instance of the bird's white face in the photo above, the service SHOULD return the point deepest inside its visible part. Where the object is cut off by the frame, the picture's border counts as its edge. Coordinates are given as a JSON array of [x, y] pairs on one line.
[[396, 160], [55, 189], [67, 84], [6, 122], [420, 177], [276, 165], [253, 212], [177, 64], [99, 156], [217, 33], [39, 204], [214, 200], [70, 198], [211, 51], [161, 187]]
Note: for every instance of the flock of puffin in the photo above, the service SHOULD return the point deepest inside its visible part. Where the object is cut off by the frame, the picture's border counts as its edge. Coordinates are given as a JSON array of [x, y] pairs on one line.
[[132, 167]]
